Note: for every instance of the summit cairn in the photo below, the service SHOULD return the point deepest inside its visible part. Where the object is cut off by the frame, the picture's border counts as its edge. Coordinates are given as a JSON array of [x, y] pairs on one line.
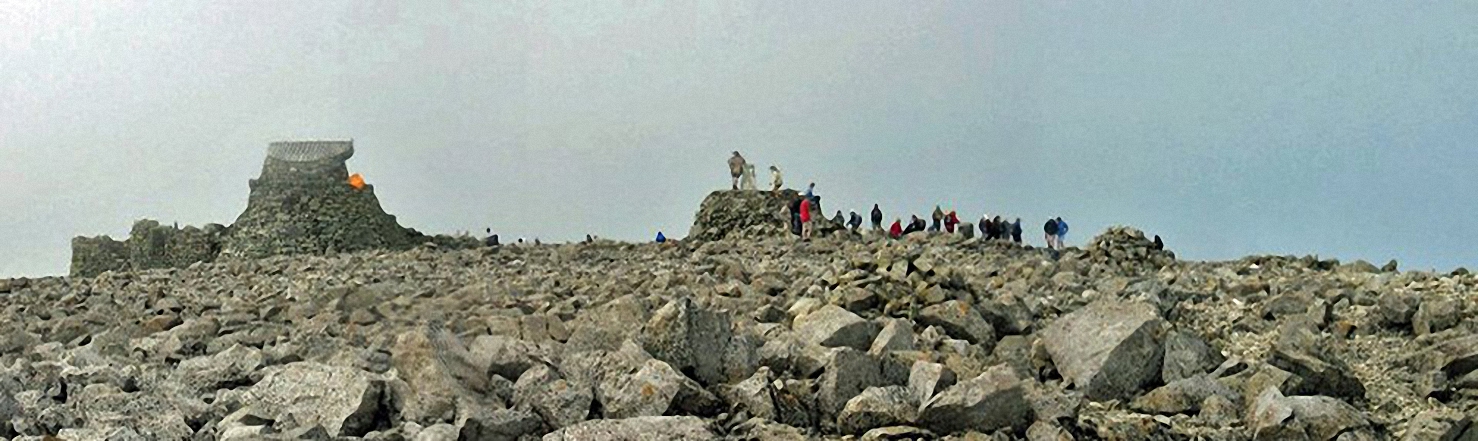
[[303, 203]]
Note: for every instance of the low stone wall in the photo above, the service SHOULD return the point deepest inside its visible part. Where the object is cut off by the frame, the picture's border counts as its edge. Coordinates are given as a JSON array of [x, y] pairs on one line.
[[149, 245]]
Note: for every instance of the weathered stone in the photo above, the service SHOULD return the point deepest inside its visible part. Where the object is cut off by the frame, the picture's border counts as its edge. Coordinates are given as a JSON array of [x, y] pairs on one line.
[[506, 356], [437, 374], [832, 326], [848, 374], [692, 339], [501, 424], [788, 353], [1435, 315], [959, 320], [1317, 418], [991, 401], [1441, 424], [229, 368], [764, 429], [899, 433], [1183, 396], [877, 407], [655, 389], [1394, 309], [926, 379], [556, 400], [346, 402], [659, 428], [606, 327], [897, 335], [1108, 349], [1187, 355], [754, 395], [1045, 431], [1300, 352]]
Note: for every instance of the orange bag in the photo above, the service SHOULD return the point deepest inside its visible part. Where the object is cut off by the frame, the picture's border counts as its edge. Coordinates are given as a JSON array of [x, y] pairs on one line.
[[356, 181]]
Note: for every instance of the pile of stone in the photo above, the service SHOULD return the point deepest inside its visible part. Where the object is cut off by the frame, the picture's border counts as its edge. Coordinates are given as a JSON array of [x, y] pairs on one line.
[[934, 337], [302, 203]]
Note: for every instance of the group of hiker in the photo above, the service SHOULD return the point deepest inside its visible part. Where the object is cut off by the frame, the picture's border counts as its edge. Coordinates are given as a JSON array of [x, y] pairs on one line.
[[804, 210]]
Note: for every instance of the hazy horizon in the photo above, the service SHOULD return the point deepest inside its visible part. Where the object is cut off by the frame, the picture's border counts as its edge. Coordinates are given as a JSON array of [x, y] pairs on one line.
[[1229, 128]]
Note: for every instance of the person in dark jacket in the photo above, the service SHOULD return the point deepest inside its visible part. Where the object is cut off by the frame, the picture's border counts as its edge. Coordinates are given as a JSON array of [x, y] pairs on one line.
[[661, 238], [1051, 229], [1016, 231], [795, 216], [985, 227], [1159, 244], [854, 221], [877, 217], [938, 219], [1003, 229], [838, 219], [491, 240], [914, 225]]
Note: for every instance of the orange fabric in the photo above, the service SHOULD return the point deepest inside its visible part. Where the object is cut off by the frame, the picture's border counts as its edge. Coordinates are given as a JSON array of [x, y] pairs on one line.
[[356, 181]]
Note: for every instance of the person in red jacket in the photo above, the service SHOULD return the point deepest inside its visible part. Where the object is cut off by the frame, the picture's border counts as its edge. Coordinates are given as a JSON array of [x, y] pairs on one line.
[[805, 219], [950, 221], [896, 231]]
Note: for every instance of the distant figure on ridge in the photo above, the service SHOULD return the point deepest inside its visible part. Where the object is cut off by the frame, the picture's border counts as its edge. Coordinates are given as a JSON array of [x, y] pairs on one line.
[[987, 229], [811, 191], [1016, 231], [1051, 229], [746, 182], [1159, 244], [877, 217], [1003, 229], [795, 216], [854, 221], [838, 219], [1061, 233], [805, 218], [736, 168], [775, 180], [938, 218], [896, 231], [950, 221], [491, 240], [661, 238]]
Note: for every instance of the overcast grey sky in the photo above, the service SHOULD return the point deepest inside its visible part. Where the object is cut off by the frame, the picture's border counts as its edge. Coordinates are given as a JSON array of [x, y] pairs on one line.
[[1344, 129]]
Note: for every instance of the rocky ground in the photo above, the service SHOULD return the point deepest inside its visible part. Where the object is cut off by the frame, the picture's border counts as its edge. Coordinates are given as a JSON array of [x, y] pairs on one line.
[[761, 338]]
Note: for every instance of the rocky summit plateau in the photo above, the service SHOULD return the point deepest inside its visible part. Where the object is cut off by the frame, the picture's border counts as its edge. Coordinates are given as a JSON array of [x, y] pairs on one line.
[[739, 332]]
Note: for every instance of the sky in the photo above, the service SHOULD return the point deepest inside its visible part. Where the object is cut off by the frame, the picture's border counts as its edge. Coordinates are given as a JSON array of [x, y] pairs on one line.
[[1338, 129]]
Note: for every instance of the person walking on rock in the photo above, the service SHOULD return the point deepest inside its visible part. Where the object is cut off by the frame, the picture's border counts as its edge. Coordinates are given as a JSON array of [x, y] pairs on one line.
[[896, 231], [877, 217], [775, 180], [736, 168], [1016, 231], [805, 219], [938, 218], [1061, 233], [1051, 229]]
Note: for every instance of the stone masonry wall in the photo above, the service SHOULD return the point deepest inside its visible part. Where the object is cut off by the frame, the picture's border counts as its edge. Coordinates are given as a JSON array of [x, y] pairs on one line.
[[149, 245]]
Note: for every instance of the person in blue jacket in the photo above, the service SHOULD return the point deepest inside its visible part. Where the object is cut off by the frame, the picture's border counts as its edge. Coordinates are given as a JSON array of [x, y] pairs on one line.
[[661, 238], [1061, 233]]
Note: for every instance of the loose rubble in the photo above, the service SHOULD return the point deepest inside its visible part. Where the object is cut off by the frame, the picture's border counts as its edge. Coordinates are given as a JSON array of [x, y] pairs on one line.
[[745, 334]]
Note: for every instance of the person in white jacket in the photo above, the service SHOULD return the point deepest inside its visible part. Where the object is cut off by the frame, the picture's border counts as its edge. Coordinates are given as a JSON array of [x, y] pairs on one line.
[[775, 180]]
